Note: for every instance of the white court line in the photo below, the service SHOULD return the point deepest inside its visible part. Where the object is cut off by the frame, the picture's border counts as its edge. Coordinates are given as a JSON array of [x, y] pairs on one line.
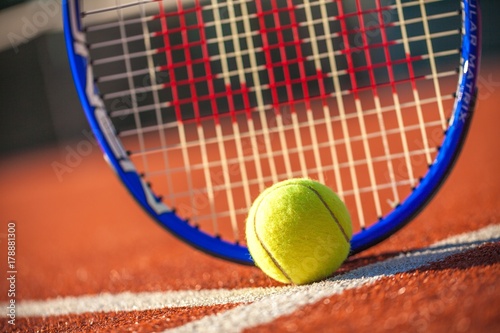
[[129, 301], [277, 301], [270, 308]]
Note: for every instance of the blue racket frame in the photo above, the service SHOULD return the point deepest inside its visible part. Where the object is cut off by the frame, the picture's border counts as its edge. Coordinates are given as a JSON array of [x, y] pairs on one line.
[[388, 225]]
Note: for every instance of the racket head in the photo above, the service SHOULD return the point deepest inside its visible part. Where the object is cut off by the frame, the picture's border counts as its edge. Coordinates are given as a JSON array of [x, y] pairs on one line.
[[168, 217]]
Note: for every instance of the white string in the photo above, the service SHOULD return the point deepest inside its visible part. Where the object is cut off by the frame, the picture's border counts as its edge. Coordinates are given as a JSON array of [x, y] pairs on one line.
[[201, 135], [290, 97], [118, 8], [149, 107], [390, 167], [133, 96], [261, 111], [183, 146], [220, 138], [366, 144], [419, 106], [409, 167], [343, 165], [251, 33], [236, 130], [416, 96], [118, 58], [156, 99], [326, 109], [345, 129], [310, 118], [432, 61], [278, 113], [352, 139]]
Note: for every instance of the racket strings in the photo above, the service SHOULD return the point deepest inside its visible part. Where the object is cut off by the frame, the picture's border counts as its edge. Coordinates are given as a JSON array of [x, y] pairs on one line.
[[227, 97]]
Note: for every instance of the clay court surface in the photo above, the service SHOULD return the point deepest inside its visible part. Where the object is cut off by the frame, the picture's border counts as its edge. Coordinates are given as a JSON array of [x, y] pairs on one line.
[[88, 259]]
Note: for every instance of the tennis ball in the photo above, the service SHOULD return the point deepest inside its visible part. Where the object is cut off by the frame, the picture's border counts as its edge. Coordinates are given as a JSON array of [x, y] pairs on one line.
[[298, 231]]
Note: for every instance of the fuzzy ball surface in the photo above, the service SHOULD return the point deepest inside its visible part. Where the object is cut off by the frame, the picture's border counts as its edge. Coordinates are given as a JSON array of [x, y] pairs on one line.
[[298, 231]]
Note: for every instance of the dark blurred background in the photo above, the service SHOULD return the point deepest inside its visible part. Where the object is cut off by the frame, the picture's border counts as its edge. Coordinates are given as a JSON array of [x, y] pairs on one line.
[[38, 102]]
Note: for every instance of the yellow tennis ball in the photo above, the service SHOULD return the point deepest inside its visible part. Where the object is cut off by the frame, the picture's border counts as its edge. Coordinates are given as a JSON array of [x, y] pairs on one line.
[[298, 231]]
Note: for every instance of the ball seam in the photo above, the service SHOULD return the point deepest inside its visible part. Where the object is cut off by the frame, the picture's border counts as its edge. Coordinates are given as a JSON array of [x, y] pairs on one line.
[[276, 263], [339, 225], [330, 211]]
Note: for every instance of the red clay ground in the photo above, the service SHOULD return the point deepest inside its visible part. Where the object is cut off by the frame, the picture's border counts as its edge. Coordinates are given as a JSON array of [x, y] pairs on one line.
[[85, 235], [437, 298]]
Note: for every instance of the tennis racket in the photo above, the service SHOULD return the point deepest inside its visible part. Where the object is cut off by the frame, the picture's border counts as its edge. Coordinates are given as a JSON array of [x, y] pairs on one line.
[[200, 105]]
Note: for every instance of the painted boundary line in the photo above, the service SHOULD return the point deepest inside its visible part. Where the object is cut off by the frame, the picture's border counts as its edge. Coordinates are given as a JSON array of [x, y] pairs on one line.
[[129, 301], [277, 301], [246, 316]]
